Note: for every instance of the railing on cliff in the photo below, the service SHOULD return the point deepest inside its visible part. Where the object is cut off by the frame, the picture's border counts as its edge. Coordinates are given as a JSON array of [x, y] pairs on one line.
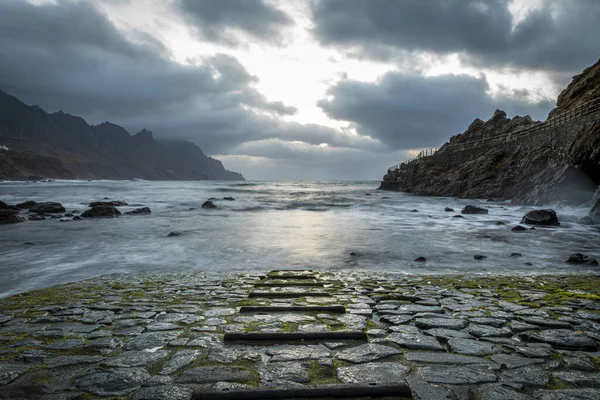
[[422, 154], [582, 110]]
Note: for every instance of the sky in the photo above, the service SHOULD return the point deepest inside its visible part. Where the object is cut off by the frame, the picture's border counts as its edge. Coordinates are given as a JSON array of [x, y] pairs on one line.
[[297, 89]]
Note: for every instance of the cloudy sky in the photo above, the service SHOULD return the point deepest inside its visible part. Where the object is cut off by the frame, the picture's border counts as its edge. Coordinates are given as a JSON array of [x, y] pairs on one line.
[[296, 89]]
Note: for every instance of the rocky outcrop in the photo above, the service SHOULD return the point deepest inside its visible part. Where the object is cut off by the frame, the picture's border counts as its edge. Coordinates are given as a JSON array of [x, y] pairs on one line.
[[48, 208], [553, 162], [10, 217], [64, 146], [540, 217]]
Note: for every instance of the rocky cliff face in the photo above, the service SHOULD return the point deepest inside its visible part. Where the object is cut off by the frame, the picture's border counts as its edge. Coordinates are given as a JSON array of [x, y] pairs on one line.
[[85, 151], [558, 165]]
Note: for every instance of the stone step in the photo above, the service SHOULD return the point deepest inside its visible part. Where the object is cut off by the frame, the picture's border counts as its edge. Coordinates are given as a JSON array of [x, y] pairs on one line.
[[285, 295], [293, 336], [277, 309], [333, 391]]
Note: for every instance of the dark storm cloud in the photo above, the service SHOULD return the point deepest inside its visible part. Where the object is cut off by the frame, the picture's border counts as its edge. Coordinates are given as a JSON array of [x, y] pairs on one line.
[[562, 36], [411, 111], [214, 20]]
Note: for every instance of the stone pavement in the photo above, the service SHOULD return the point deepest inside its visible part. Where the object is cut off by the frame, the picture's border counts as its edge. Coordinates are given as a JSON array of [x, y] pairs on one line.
[[293, 334]]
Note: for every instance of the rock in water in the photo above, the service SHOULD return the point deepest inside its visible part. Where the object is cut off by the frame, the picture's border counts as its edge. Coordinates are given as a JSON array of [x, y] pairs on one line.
[[208, 204], [448, 209], [540, 217], [229, 198], [578, 258], [587, 221], [479, 257], [518, 228], [174, 234], [3, 205], [114, 203], [10, 217], [48, 207], [595, 212], [139, 211], [420, 259], [101, 212], [469, 209], [27, 205]]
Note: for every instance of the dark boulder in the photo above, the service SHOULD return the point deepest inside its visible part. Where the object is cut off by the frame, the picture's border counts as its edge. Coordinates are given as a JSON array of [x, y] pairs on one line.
[[10, 217], [229, 198], [586, 221], [414, 210], [516, 255], [540, 217], [208, 204], [479, 257], [48, 207], [115, 203], [139, 211], [518, 228], [448, 209], [469, 209], [26, 205], [3, 205], [36, 217], [174, 234], [500, 223], [355, 254], [578, 258], [77, 218], [457, 216], [420, 259], [101, 212]]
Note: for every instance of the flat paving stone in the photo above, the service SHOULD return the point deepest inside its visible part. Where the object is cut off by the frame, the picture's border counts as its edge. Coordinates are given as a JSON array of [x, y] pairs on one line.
[[396, 319], [129, 359], [415, 308], [65, 344], [530, 377], [472, 347], [447, 334], [276, 374], [579, 378], [445, 359], [566, 394], [564, 338], [422, 390], [445, 323], [161, 326], [510, 361], [181, 359], [380, 373], [297, 353], [164, 392], [489, 331], [495, 322], [213, 374], [457, 375], [10, 372], [366, 353], [114, 382], [499, 392], [536, 350], [545, 322], [63, 361], [151, 340], [415, 341]]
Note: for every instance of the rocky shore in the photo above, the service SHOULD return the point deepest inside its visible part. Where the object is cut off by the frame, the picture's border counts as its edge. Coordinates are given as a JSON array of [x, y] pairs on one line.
[[287, 333]]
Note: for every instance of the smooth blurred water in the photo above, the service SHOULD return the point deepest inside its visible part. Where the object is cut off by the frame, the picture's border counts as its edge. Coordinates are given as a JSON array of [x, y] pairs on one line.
[[272, 225]]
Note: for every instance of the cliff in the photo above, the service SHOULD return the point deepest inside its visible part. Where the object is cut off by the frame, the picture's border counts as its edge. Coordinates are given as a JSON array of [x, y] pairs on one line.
[[65, 146], [518, 159]]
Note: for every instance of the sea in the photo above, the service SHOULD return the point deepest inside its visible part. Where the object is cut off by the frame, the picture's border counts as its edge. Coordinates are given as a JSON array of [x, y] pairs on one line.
[[331, 225]]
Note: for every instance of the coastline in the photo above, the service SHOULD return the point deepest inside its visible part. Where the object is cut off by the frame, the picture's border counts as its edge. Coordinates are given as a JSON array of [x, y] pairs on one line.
[[165, 335]]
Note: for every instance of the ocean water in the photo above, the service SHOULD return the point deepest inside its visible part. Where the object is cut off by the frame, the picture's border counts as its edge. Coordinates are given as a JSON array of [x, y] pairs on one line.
[[270, 225]]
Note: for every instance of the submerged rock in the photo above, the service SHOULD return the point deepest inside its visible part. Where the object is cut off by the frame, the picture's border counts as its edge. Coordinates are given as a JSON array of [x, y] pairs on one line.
[[448, 209], [540, 217], [420, 259], [518, 228], [114, 203], [479, 257], [229, 198], [578, 258], [174, 234], [139, 211], [101, 212], [469, 209], [48, 207]]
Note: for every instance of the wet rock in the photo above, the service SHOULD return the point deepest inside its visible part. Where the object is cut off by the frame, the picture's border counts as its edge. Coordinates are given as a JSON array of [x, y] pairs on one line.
[[114, 382], [518, 228], [10, 217], [174, 234], [536, 350], [469, 209], [579, 363], [297, 353], [422, 390], [213, 374], [115, 203], [579, 378], [396, 319], [208, 204], [164, 392], [495, 322], [36, 217], [279, 373], [151, 340], [457, 216], [420, 259], [10, 372], [65, 344], [445, 323], [586, 221], [479, 257], [129, 359], [499, 392], [139, 211], [448, 209], [229, 198], [487, 331], [457, 375], [516, 255], [63, 361], [161, 326], [540, 217], [563, 338], [500, 223], [101, 212], [355, 254], [545, 322], [179, 360], [415, 308], [472, 347], [104, 343], [366, 353], [379, 373], [48, 208], [530, 376], [446, 334], [26, 205], [566, 394], [578, 258]]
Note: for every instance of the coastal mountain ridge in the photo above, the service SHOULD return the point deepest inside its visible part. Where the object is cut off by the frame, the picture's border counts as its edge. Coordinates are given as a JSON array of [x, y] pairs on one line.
[[64, 146], [518, 159]]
